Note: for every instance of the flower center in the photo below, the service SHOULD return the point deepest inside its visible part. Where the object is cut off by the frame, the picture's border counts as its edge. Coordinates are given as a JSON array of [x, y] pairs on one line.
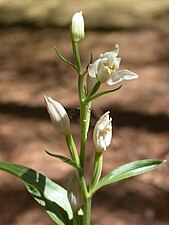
[[107, 129], [104, 131], [111, 70]]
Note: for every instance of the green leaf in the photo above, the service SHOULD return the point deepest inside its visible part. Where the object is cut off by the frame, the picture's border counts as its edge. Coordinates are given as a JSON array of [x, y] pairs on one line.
[[128, 170], [64, 159], [65, 60], [91, 98], [47, 193]]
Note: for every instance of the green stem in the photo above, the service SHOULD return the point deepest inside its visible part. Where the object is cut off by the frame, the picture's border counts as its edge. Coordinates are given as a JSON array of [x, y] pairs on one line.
[[84, 109], [75, 218], [83, 113], [98, 164], [72, 149], [77, 55], [94, 89], [85, 120], [87, 211], [84, 125], [87, 200], [83, 184]]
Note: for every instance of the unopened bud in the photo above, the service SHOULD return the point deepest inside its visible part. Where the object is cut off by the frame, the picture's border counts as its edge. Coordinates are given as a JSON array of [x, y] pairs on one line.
[[74, 192], [102, 134], [58, 115], [77, 27]]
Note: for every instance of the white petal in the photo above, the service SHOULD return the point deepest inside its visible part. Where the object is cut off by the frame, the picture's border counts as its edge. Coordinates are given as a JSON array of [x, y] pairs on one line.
[[108, 138], [104, 117], [58, 115], [102, 133], [115, 63], [114, 53], [103, 73], [116, 50], [121, 75], [101, 143], [77, 27], [92, 69]]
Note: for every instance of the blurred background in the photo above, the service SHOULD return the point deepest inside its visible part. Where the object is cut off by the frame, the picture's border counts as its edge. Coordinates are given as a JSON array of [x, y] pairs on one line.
[[29, 69]]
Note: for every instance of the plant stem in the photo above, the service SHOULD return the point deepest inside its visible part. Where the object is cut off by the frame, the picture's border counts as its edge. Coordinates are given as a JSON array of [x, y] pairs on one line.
[[75, 218], [87, 211], [84, 125], [77, 55], [94, 89], [72, 149], [84, 107], [87, 200], [98, 163]]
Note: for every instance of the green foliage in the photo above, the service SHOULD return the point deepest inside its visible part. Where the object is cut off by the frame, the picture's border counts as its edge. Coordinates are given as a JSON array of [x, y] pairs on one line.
[[47, 193], [128, 170], [65, 60], [64, 159]]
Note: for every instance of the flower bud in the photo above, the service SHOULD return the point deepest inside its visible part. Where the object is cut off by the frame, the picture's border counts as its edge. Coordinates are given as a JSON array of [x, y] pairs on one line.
[[77, 27], [58, 115], [102, 134], [74, 192]]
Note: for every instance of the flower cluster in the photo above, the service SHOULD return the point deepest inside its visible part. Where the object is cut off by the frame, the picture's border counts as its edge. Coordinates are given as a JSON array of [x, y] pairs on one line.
[[105, 69]]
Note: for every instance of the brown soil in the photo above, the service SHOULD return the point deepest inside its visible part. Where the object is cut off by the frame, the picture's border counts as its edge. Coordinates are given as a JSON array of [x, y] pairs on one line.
[[29, 69]]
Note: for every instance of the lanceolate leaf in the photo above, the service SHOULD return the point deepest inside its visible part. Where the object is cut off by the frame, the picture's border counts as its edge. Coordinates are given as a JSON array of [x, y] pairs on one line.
[[64, 159], [128, 170], [47, 193], [65, 60]]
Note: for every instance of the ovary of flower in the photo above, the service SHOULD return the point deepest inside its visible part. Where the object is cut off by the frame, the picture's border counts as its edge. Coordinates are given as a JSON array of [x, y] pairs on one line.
[[105, 69], [58, 115], [102, 134]]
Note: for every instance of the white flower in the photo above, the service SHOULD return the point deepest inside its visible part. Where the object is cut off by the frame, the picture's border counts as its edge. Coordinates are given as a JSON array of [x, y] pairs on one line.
[[58, 115], [105, 69], [77, 27], [74, 192], [102, 134]]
